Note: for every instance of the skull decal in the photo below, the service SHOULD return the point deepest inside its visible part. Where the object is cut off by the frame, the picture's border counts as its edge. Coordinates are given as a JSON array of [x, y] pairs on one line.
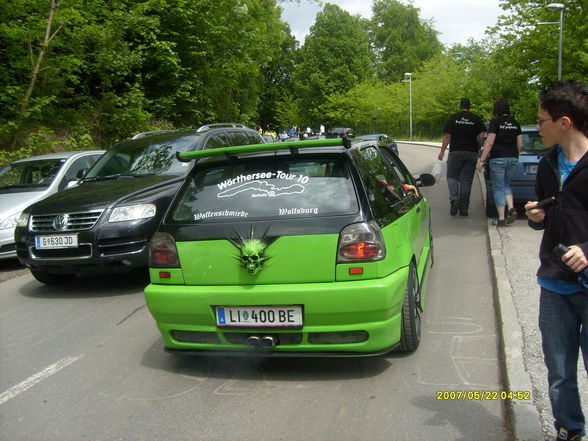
[[253, 257]]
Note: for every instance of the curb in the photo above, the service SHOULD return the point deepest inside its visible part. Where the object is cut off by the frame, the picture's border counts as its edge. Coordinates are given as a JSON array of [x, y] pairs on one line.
[[525, 419]]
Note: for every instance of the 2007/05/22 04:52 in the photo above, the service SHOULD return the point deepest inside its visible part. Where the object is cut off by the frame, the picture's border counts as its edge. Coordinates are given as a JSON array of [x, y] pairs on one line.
[[482, 395]]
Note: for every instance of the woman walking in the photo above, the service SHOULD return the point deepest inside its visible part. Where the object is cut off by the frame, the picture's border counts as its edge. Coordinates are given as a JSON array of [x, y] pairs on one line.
[[503, 145]]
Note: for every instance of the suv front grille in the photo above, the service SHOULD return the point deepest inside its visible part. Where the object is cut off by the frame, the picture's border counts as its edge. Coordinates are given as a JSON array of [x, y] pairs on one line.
[[58, 223]]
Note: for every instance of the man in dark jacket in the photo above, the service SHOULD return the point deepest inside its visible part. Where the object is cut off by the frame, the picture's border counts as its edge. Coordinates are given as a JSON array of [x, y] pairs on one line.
[[464, 134], [563, 306]]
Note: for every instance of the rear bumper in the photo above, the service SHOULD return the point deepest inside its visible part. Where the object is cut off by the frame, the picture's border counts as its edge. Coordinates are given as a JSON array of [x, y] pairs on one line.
[[372, 308]]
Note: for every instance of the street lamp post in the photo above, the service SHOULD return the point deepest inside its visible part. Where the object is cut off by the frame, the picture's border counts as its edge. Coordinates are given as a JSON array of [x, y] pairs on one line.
[[409, 80], [559, 6]]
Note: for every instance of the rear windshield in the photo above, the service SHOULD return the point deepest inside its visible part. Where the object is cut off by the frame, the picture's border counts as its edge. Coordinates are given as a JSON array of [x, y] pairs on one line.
[[532, 142], [266, 188]]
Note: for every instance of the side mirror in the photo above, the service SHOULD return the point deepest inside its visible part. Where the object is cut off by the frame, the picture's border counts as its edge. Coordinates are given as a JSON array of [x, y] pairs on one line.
[[425, 180]]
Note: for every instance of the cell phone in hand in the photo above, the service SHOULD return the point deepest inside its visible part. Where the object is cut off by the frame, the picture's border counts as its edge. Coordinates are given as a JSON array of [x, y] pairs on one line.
[[546, 203], [560, 249]]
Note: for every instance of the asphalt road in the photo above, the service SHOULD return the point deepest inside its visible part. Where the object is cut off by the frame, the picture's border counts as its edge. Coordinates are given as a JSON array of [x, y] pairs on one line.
[[85, 362]]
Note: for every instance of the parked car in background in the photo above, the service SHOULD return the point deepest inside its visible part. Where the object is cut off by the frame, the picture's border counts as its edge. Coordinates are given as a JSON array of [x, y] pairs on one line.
[[103, 224], [383, 138], [339, 132], [317, 247], [523, 180], [29, 180]]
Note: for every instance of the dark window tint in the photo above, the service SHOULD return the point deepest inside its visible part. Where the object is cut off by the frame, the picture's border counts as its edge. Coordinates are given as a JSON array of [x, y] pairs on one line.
[[217, 141], [383, 185], [266, 188], [244, 138]]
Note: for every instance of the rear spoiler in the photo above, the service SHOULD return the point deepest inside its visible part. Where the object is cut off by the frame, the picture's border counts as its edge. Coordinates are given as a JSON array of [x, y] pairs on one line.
[[267, 147]]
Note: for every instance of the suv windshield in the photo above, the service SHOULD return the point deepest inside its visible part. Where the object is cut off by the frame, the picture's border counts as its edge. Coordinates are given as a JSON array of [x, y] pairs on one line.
[[532, 142], [266, 188], [30, 174], [155, 154]]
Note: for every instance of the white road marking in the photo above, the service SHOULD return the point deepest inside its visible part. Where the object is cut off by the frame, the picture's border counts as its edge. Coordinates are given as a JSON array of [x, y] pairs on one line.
[[37, 378]]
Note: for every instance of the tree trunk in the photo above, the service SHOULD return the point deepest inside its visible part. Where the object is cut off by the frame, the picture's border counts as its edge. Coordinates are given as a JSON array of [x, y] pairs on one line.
[[35, 72]]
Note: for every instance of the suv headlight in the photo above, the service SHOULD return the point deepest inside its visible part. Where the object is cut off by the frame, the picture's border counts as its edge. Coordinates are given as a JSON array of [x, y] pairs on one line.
[[11, 221], [132, 212]]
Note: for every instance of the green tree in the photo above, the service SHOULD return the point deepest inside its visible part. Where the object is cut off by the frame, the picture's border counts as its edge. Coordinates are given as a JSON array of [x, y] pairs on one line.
[[532, 47], [402, 40], [335, 57], [277, 86]]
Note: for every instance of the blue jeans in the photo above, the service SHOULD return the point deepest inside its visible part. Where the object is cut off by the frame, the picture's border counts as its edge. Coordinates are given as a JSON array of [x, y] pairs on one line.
[[501, 171], [563, 321]]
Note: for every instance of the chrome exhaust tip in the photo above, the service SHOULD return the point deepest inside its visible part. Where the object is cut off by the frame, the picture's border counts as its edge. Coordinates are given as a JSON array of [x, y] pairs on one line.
[[268, 341], [254, 341]]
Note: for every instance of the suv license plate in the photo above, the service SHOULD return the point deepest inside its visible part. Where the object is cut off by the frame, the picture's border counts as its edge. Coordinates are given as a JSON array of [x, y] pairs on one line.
[[259, 316], [58, 241]]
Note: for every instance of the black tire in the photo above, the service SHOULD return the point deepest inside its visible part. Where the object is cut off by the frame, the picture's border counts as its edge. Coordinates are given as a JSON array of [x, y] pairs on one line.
[[52, 279], [410, 334]]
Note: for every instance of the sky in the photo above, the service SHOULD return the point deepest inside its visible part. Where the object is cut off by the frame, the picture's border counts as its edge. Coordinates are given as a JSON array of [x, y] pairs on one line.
[[456, 20]]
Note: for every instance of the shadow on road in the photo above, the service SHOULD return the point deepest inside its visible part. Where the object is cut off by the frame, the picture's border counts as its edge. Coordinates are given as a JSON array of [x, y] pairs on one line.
[[100, 285], [264, 368]]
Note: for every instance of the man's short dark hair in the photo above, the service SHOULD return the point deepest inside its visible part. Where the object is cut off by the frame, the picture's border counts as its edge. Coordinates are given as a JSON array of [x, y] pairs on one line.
[[464, 103], [567, 98]]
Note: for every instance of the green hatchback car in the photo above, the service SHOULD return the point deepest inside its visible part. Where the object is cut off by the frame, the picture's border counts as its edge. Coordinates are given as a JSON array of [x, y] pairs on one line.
[[307, 248]]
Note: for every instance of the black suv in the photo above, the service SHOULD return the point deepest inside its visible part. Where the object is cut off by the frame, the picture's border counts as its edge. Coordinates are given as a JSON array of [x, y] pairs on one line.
[[105, 223]]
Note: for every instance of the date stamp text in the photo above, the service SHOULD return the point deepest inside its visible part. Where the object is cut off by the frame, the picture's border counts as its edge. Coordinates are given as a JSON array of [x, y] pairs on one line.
[[482, 395]]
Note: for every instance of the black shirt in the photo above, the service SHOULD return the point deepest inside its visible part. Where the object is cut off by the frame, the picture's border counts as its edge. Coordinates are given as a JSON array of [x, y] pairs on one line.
[[464, 128], [507, 130]]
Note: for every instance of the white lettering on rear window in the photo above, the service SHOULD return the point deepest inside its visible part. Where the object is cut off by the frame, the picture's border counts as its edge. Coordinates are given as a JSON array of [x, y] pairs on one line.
[[262, 189], [291, 211], [221, 213]]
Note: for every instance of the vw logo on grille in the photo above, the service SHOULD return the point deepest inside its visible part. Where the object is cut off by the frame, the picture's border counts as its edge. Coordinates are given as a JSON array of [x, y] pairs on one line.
[[60, 222]]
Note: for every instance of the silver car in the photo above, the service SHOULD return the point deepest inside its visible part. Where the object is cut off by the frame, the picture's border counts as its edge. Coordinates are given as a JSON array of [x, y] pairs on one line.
[[29, 180]]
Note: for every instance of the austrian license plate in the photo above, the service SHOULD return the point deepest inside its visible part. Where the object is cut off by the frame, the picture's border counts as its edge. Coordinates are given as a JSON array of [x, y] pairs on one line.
[[259, 316], [56, 241]]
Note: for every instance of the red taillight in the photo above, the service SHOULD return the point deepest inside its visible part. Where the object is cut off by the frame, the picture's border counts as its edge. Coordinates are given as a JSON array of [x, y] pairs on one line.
[[361, 242], [164, 257], [163, 252], [360, 250]]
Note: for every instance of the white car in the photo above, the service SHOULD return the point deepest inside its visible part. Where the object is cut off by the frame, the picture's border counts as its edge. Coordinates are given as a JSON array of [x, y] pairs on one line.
[[29, 180]]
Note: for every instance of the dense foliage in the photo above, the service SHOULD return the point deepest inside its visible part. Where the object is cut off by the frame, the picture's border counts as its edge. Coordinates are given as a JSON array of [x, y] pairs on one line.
[[83, 73]]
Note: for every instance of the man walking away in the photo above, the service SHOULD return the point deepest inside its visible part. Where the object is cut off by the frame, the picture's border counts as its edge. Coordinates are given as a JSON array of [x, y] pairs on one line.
[[464, 134], [563, 305]]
